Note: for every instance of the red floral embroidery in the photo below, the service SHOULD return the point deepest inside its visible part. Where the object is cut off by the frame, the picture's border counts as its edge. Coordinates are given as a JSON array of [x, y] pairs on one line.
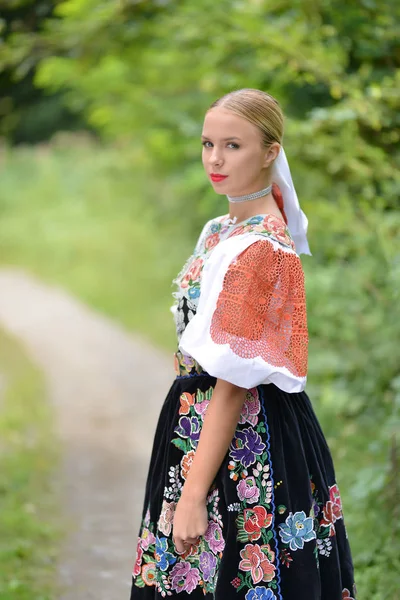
[[211, 241], [257, 559], [256, 519], [334, 495], [332, 510], [186, 463], [236, 582]]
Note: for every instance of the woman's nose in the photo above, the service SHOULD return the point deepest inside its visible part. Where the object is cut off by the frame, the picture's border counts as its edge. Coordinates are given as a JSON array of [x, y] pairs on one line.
[[216, 157]]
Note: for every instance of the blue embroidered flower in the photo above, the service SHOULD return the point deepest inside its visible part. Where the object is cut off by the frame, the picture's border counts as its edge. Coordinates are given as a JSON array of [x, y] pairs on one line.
[[260, 593], [215, 227], [296, 530], [163, 557], [194, 292], [255, 220], [246, 446]]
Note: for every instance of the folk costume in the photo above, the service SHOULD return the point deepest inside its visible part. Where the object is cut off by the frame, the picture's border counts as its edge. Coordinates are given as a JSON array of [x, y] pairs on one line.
[[276, 528]]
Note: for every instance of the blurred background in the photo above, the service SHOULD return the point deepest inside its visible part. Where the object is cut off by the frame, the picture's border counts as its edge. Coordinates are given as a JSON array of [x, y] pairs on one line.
[[102, 193]]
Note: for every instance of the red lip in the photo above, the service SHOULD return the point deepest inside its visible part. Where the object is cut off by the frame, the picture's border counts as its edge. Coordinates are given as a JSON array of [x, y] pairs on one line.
[[216, 177]]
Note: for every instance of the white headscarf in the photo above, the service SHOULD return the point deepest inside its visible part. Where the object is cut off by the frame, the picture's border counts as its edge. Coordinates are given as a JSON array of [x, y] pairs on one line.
[[297, 220]]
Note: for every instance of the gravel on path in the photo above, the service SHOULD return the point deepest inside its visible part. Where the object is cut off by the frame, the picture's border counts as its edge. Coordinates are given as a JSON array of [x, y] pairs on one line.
[[98, 379]]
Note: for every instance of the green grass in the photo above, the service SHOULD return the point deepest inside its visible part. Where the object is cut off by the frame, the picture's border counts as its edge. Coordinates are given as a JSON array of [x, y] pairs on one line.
[[28, 534]]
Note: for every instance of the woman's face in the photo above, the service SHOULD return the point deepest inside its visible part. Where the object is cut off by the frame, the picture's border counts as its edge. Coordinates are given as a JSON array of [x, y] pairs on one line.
[[234, 157]]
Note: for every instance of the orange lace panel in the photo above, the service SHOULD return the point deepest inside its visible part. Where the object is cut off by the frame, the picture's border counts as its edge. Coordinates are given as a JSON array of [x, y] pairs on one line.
[[261, 310]]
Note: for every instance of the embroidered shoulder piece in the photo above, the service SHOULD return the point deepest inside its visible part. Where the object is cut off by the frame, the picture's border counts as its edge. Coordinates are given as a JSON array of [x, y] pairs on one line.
[[269, 226], [261, 309]]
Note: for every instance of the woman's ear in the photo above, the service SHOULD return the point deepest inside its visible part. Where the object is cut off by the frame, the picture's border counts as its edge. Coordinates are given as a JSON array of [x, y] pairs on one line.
[[271, 153]]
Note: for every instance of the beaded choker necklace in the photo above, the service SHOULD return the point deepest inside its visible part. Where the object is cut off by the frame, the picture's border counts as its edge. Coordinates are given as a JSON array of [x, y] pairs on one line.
[[252, 196]]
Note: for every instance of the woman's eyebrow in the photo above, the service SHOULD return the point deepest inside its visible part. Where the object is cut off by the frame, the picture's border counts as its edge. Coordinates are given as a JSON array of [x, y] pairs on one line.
[[233, 137]]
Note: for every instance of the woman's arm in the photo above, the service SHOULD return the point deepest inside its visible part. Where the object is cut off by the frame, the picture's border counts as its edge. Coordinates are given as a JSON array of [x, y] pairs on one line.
[[220, 421]]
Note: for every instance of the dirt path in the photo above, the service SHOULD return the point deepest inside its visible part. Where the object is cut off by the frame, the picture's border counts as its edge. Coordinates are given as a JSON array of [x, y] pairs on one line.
[[98, 378]]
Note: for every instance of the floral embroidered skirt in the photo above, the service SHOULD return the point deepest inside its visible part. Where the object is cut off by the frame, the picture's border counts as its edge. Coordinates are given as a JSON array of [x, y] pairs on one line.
[[276, 528]]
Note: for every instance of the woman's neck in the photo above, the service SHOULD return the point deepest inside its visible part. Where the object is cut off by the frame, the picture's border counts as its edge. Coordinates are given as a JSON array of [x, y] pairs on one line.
[[244, 210]]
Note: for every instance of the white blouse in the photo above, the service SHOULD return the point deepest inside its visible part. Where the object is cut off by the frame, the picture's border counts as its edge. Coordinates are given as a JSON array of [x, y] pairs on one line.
[[240, 305]]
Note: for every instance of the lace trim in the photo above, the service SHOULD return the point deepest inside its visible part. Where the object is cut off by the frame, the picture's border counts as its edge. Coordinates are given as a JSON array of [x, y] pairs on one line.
[[261, 310]]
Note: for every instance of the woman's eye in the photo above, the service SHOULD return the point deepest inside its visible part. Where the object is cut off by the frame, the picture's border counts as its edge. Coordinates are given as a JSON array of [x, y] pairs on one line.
[[231, 145]]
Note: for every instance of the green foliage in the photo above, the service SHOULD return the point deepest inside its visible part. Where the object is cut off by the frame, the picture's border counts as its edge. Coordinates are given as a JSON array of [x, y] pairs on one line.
[[27, 113], [93, 213], [27, 456], [151, 73], [353, 285]]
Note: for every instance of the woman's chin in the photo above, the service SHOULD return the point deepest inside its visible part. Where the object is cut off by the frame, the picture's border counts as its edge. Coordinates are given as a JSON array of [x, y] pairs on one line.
[[218, 189]]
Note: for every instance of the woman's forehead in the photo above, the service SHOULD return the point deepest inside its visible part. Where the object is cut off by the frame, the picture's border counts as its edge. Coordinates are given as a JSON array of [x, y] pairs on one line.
[[224, 124]]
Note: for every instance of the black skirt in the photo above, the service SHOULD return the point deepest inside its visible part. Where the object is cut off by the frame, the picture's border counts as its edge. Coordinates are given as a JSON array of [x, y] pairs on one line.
[[276, 528]]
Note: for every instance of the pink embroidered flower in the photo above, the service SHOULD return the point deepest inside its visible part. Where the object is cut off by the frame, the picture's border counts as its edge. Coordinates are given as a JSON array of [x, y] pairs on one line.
[[184, 578], [147, 518], [251, 408], [283, 238], [201, 407], [211, 241], [195, 269], [147, 539], [166, 517], [184, 283], [346, 595], [138, 562], [255, 559], [278, 228], [240, 230], [192, 273], [248, 490], [214, 537]]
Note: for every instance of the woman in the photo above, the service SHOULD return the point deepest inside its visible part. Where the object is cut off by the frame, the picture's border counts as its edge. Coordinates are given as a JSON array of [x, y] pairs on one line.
[[241, 498]]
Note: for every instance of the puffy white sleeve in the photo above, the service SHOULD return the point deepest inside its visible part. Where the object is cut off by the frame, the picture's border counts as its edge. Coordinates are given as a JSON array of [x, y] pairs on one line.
[[251, 325]]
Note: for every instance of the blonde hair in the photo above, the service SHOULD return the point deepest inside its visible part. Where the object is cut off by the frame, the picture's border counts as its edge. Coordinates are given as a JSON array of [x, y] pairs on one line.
[[257, 107]]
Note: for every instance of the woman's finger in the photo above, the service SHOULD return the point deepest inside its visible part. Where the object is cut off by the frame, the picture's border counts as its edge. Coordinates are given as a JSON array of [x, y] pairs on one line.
[[192, 541], [179, 545]]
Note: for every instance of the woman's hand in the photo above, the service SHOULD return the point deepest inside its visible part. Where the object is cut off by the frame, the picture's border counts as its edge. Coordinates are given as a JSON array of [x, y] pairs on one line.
[[220, 421], [190, 522]]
